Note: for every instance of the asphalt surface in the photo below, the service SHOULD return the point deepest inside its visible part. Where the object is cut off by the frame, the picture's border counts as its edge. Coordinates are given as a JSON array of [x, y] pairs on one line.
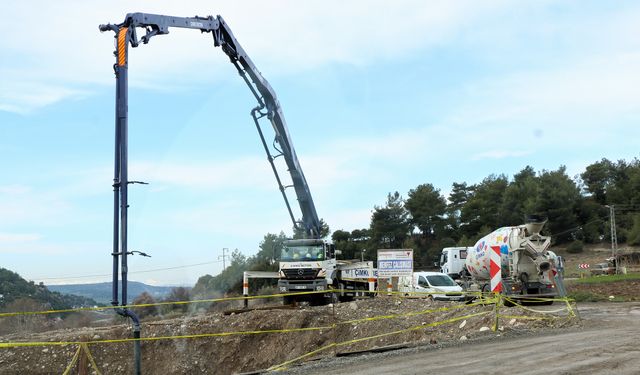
[[607, 343]]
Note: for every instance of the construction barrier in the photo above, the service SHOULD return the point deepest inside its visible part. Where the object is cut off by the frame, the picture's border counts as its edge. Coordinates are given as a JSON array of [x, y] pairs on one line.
[[215, 300], [497, 300]]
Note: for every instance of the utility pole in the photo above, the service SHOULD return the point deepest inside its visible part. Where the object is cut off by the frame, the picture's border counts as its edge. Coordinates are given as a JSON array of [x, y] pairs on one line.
[[224, 258], [614, 236]]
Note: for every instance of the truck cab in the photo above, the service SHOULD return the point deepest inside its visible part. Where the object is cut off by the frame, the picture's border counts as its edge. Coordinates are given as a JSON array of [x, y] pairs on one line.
[[306, 265], [452, 260]]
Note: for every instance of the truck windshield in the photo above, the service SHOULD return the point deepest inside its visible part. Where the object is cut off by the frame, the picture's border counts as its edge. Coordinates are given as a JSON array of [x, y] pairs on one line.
[[441, 280], [301, 253]]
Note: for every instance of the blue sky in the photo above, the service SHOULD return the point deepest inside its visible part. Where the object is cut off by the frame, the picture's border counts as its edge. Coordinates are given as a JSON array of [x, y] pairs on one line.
[[378, 95]]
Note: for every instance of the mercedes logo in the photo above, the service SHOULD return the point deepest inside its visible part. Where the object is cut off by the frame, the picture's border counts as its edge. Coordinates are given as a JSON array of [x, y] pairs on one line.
[[300, 271]]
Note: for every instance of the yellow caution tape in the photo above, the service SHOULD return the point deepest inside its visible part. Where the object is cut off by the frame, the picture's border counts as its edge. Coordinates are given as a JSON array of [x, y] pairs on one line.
[[211, 300], [570, 309], [91, 360], [414, 313], [73, 361], [204, 335], [513, 301], [97, 308], [283, 365], [483, 301], [380, 317], [524, 317], [195, 336], [37, 343], [354, 341], [85, 348]]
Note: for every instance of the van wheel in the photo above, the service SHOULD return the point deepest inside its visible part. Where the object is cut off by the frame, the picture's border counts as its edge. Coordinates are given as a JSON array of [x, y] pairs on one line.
[[430, 298]]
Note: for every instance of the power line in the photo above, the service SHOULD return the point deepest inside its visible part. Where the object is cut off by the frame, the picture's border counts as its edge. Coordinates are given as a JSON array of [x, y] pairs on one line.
[[143, 271], [578, 227]]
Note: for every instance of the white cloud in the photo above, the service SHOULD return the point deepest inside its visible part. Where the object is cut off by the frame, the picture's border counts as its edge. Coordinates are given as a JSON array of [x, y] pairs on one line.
[[349, 219], [15, 189], [600, 85], [12, 238], [213, 174], [33, 207], [24, 97], [281, 36], [35, 244]]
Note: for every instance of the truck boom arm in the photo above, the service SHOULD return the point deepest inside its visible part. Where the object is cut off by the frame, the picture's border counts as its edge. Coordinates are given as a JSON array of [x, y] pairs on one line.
[[268, 105]]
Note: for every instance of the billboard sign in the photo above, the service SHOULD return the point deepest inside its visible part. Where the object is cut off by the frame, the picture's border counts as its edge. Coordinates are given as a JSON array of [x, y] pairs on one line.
[[395, 262]]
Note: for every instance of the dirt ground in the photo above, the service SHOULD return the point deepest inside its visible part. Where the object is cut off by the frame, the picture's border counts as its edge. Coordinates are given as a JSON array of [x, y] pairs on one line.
[[605, 343], [619, 290], [592, 255], [251, 351]]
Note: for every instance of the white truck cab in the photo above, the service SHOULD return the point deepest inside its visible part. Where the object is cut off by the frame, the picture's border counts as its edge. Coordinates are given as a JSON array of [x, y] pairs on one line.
[[432, 285], [452, 260]]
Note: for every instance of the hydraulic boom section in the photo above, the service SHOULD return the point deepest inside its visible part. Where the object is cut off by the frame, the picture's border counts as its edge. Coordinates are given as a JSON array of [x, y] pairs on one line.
[[268, 105]]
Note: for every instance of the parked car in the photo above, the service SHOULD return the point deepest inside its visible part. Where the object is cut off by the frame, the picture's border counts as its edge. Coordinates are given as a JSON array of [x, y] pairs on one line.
[[602, 269]]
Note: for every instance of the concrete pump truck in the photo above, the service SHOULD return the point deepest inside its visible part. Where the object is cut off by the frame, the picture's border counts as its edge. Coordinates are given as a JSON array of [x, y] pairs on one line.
[[307, 264]]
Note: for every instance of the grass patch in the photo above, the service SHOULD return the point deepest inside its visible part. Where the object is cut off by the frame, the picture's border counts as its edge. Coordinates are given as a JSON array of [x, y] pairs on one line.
[[580, 296], [608, 278]]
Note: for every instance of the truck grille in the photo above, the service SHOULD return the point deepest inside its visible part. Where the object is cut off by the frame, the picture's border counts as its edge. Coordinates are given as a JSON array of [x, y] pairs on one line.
[[300, 273]]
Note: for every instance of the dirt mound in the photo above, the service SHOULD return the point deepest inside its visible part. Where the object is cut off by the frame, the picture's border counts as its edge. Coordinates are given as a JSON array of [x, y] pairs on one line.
[[624, 290], [343, 327]]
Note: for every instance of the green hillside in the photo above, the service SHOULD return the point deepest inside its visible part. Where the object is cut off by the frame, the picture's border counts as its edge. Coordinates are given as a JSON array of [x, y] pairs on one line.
[[101, 292], [14, 288]]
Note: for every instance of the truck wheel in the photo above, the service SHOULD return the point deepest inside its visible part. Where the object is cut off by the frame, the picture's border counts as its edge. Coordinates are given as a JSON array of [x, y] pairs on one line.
[[287, 300]]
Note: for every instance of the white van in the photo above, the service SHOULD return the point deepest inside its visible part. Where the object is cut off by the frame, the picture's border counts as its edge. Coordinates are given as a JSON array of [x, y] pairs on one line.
[[432, 285]]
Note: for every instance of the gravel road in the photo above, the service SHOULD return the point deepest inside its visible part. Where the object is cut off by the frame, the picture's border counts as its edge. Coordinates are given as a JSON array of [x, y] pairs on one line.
[[608, 343]]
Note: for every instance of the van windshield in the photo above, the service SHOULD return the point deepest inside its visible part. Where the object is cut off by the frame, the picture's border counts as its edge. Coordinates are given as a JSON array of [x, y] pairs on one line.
[[441, 280]]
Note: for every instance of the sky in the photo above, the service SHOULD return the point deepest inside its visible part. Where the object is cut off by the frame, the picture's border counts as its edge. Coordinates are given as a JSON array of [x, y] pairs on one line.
[[379, 96]]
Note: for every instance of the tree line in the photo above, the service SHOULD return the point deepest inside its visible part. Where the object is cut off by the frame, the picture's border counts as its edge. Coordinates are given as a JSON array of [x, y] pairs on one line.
[[577, 208]]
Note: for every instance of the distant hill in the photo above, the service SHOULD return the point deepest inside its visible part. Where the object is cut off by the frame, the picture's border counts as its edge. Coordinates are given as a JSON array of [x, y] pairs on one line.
[[14, 288], [101, 292]]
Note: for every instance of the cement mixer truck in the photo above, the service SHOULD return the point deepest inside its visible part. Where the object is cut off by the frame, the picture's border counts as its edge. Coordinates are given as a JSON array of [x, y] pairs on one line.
[[528, 267]]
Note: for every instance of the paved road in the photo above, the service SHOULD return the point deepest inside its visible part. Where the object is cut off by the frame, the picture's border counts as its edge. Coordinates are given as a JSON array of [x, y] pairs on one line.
[[609, 343]]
